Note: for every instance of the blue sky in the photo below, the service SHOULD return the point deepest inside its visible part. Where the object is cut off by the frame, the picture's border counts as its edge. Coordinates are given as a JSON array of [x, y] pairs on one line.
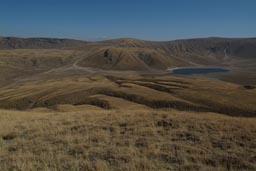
[[143, 19]]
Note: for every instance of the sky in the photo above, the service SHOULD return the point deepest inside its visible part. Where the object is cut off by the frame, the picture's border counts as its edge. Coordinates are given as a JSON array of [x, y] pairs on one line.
[[142, 19]]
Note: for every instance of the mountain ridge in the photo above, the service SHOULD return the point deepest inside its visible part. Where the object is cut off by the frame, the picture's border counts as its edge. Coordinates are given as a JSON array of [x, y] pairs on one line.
[[123, 40], [135, 54]]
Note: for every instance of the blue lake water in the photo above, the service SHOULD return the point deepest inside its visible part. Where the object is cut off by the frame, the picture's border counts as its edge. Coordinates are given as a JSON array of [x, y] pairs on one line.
[[190, 71]]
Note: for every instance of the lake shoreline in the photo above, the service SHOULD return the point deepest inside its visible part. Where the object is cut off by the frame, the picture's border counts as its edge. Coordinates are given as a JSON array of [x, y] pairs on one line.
[[196, 70]]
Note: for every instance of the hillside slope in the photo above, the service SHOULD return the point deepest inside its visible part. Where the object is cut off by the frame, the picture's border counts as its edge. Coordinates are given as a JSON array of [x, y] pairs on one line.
[[133, 54], [38, 43]]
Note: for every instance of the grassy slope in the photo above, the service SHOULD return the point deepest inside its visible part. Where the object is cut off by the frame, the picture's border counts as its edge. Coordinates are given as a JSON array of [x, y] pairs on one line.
[[125, 140], [68, 128], [123, 92], [25, 57], [132, 54], [21, 63]]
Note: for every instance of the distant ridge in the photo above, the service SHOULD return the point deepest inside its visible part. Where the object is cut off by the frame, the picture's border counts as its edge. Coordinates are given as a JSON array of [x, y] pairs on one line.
[[135, 54], [37, 43], [19, 43]]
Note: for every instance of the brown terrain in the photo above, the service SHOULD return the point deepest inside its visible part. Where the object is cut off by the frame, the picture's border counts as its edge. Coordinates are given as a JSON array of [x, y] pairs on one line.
[[115, 105]]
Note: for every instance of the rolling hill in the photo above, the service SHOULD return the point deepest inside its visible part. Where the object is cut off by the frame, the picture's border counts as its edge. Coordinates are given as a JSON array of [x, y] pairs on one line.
[[133, 54], [38, 43], [113, 105]]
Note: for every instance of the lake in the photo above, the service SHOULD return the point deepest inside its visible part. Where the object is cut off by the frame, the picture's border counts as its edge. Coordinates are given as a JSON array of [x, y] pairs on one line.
[[190, 71]]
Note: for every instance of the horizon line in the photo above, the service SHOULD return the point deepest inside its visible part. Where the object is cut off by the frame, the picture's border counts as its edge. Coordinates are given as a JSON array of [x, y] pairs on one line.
[[119, 38]]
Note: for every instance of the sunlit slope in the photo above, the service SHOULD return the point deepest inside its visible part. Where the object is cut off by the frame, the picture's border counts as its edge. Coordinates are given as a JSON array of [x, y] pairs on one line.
[[133, 54], [157, 93], [139, 140]]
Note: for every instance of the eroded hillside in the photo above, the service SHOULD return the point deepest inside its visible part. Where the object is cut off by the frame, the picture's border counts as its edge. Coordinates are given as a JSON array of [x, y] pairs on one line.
[[133, 54]]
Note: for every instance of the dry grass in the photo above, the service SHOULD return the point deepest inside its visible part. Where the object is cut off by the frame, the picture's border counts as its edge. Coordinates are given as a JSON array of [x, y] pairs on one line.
[[153, 122], [125, 140], [68, 128], [124, 92]]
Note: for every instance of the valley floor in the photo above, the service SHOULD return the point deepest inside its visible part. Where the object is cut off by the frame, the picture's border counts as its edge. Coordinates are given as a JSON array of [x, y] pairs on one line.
[[125, 140]]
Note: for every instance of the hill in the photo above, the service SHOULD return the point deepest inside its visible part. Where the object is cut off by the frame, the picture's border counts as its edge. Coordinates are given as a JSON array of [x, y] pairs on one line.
[[38, 43], [133, 54], [113, 105]]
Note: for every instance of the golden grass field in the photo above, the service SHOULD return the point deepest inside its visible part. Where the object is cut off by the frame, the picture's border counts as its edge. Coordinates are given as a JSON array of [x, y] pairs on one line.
[[127, 122], [123, 91], [125, 140], [57, 113]]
